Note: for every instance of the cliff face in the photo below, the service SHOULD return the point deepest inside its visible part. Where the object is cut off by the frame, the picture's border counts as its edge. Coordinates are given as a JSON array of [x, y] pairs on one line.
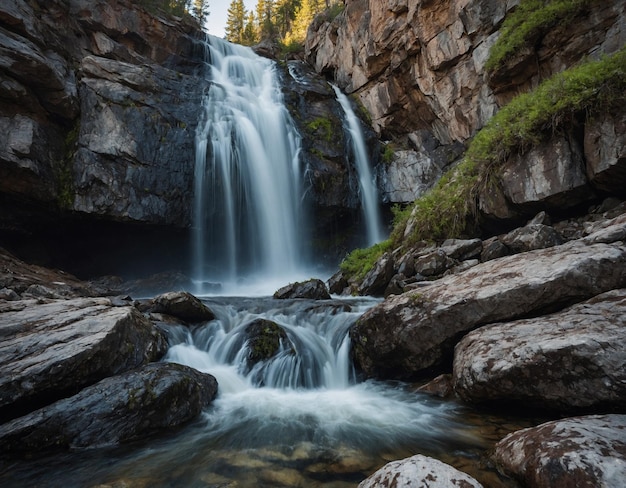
[[419, 66], [98, 109]]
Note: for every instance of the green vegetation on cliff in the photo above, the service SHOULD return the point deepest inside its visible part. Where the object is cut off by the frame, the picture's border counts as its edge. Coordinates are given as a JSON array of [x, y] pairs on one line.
[[449, 209], [528, 23]]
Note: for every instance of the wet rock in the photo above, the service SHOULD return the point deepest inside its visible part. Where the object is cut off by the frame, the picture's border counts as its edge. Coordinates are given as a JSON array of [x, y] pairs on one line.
[[53, 349], [8, 294], [573, 359], [531, 237], [417, 330], [313, 289], [264, 339], [115, 410], [582, 451], [418, 471], [183, 305], [440, 386], [337, 283]]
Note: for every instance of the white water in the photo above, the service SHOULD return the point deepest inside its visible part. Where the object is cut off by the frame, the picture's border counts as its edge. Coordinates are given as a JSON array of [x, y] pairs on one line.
[[248, 218], [311, 395], [367, 186]]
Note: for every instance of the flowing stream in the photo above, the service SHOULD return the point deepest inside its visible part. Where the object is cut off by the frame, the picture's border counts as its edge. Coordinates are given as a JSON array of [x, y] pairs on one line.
[[298, 419]]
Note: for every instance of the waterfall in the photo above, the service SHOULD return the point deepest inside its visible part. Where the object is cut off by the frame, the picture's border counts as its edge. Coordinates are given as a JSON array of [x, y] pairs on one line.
[[369, 197], [248, 217]]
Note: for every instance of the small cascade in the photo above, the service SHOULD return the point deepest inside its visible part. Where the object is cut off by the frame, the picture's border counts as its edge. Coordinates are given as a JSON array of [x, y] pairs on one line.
[[367, 187], [248, 217]]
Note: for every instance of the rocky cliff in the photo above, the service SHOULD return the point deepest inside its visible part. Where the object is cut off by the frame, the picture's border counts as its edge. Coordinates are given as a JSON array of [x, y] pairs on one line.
[[419, 67]]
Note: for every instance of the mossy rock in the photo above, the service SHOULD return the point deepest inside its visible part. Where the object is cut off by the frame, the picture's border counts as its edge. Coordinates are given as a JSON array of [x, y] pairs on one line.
[[264, 339]]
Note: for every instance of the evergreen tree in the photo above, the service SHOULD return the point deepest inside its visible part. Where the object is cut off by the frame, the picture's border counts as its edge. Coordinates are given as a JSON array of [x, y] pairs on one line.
[[200, 10], [265, 18], [284, 13], [235, 22], [250, 37]]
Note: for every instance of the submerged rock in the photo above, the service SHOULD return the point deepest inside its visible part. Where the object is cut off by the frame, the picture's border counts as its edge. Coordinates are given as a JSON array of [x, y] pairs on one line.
[[583, 451], [119, 409], [417, 330], [568, 360], [52, 350], [418, 471], [313, 289]]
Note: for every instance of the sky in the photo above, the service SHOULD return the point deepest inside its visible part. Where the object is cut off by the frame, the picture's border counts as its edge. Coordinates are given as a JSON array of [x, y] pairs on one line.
[[218, 12]]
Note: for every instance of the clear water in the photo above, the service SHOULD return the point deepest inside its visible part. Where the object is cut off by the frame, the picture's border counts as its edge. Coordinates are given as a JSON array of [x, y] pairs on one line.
[[300, 419]]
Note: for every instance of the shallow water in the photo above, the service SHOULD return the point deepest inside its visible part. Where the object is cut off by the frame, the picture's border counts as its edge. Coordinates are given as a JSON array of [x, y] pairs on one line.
[[298, 419]]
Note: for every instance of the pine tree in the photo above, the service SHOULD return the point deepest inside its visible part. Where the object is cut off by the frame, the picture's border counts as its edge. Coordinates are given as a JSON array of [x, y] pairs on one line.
[[265, 18], [200, 10], [250, 37], [235, 22]]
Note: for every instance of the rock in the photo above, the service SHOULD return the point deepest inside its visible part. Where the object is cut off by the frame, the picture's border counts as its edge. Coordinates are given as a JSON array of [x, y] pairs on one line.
[[377, 279], [531, 237], [433, 264], [605, 152], [115, 410], [264, 339], [407, 176], [52, 350], [493, 248], [418, 471], [549, 176], [183, 305], [407, 334], [582, 451], [8, 294], [462, 249], [440, 386], [337, 283], [573, 359], [313, 289]]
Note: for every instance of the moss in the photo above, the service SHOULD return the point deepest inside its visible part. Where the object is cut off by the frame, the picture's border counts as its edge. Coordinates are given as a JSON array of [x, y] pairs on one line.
[[388, 153], [528, 23], [321, 126], [360, 261]]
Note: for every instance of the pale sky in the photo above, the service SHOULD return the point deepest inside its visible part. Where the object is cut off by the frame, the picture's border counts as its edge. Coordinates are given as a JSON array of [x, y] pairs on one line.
[[218, 12]]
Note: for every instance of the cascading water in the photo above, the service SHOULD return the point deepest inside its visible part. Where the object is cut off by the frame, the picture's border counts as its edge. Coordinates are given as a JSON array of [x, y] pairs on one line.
[[248, 218], [369, 197]]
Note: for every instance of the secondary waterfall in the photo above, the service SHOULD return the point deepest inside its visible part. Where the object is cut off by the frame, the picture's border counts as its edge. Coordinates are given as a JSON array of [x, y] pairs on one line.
[[248, 218], [367, 187]]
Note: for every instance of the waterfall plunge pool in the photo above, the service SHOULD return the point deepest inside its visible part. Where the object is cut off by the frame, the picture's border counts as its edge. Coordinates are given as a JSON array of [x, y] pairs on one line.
[[296, 420]]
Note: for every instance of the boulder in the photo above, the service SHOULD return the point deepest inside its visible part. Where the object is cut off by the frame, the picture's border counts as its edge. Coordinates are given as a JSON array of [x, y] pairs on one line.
[[183, 305], [418, 471], [51, 350], [573, 359], [337, 283], [583, 451], [409, 333], [493, 248], [264, 338], [434, 263], [462, 249], [531, 237], [313, 289], [115, 410], [377, 279]]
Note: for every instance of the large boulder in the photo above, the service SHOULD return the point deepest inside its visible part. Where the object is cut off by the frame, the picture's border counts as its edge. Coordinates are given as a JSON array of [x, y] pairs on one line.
[[407, 334], [51, 350], [583, 451], [118, 409], [313, 289], [574, 359], [183, 305], [605, 152], [264, 339], [418, 471]]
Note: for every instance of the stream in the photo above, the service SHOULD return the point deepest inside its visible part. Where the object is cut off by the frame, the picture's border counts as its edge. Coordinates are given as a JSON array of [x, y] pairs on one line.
[[299, 419]]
